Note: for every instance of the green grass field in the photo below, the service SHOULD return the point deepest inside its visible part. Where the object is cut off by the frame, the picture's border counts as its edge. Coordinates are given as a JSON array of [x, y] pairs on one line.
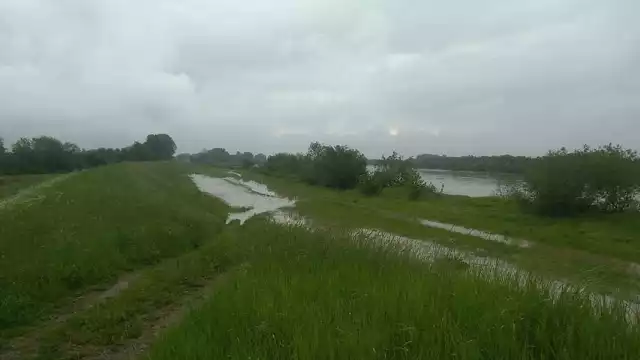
[[93, 227], [199, 289]]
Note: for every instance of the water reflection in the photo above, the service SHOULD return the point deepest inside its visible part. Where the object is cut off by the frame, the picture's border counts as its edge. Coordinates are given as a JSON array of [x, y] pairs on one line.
[[469, 183]]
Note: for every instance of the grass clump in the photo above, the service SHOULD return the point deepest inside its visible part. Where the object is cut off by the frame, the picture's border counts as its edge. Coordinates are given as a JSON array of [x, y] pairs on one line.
[[319, 295], [94, 226]]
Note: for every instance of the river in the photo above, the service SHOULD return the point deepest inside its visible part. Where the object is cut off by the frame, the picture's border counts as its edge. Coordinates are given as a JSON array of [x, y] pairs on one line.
[[469, 183]]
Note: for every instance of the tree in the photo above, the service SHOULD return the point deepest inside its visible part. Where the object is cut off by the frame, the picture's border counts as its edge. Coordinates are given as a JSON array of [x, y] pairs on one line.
[[160, 146], [2, 148]]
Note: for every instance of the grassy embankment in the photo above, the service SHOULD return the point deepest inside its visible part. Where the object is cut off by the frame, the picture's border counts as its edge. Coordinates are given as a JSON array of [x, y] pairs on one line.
[[590, 250], [86, 231], [285, 292]]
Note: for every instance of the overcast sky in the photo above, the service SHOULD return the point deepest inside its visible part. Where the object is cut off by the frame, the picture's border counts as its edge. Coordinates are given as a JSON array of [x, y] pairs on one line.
[[420, 76]]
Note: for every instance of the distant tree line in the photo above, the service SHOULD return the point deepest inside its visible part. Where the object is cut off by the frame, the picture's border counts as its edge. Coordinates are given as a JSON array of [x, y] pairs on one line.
[[221, 157], [46, 154], [492, 164]]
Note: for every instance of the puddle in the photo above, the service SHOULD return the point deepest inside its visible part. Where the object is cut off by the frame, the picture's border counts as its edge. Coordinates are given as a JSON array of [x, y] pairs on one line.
[[255, 187], [477, 233], [240, 194]]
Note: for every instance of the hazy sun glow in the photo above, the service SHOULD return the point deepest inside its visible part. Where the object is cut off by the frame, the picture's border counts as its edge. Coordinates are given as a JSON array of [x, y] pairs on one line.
[[393, 131]]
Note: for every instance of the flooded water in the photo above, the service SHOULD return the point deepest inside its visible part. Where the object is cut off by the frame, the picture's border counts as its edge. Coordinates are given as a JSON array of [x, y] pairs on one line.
[[252, 197], [476, 233], [469, 183]]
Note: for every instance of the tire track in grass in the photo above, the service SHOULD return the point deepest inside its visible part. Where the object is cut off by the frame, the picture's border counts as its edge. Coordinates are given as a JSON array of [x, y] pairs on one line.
[[21, 346], [31, 194], [166, 317], [129, 317]]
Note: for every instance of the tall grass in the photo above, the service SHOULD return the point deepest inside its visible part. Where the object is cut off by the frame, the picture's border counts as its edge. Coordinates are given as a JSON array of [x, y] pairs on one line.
[[319, 295], [94, 226]]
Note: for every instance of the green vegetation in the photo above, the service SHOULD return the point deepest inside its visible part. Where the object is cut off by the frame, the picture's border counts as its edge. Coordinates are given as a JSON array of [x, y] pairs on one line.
[[337, 167], [93, 227], [310, 295], [199, 289], [394, 172], [45, 154], [566, 183]]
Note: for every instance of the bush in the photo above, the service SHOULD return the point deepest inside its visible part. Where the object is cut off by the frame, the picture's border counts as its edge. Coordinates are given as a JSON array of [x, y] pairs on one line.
[[338, 167], [393, 171], [567, 183]]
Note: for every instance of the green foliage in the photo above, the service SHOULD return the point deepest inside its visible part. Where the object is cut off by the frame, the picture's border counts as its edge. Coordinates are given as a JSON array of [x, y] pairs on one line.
[[566, 183], [46, 154], [338, 167], [393, 171]]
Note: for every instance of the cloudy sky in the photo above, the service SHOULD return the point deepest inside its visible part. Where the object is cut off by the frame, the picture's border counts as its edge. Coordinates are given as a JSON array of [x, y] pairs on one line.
[[420, 76]]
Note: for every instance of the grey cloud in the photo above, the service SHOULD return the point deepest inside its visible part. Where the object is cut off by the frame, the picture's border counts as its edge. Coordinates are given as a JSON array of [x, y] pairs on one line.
[[451, 77]]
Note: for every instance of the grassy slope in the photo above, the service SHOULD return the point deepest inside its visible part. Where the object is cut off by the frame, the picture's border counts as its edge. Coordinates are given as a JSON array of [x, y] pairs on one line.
[[93, 227], [12, 184], [319, 296]]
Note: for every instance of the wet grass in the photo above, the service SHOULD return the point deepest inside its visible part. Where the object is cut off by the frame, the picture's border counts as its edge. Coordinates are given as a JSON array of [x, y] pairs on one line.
[[12, 184], [319, 295], [91, 228]]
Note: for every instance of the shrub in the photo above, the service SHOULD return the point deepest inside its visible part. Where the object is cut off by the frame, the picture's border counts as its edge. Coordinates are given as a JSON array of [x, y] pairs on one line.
[[567, 183], [337, 167], [393, 171]]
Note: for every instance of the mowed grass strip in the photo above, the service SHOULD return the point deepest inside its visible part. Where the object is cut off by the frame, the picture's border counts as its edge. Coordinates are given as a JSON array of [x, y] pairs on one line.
[[319, 295], [93, 227]]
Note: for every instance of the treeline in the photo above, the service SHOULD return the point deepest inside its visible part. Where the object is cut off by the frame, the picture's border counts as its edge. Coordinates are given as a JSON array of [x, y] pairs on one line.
[[221, 157], [492, 164], [46, 154]]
